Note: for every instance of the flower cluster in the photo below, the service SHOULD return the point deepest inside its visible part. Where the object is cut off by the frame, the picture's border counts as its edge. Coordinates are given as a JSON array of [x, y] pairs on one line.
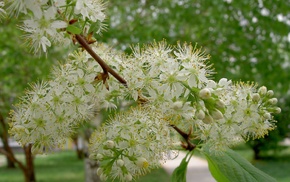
[[177, 82], [171, 85], [237, 112], [52, 110], [48, 19], [130, 144]]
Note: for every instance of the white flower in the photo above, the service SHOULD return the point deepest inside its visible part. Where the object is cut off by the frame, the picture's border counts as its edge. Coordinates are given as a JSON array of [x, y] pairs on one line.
[[52, 110], [139, 136], [224, 82], [59, 3], [142, 162], [42, 30], [16, 6], [23, 6], [91, 9]]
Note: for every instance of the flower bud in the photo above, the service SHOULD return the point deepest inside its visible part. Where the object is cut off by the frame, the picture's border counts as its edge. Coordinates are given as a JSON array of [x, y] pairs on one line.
[[273, 101], [205, 93], [256, 97], [267, 115], [207, 119], [103, 177], [270, 93], [277, 110], [177, 105], [220, 104], [217, 115], [200, 115], [120, 162], [262, 90], [110, 144], [99, 171], [142, 162], [128, 177], [99, 157]]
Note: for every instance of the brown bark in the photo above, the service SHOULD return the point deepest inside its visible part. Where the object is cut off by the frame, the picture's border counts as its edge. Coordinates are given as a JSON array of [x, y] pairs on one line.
[[257, 151], [29, 172], [83, 42], [91, 168], [80, 151], [4, 138]]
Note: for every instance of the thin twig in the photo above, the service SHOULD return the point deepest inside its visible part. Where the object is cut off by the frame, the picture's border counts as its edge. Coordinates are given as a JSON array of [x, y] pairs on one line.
[[190, 146], [102, 63]]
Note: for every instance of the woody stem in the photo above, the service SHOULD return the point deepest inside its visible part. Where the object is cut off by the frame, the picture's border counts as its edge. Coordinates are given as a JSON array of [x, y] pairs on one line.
[[82, 41]]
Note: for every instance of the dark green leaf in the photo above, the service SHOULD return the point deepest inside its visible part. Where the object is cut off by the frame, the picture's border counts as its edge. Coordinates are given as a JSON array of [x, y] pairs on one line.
[[179, 174], [230, 166]]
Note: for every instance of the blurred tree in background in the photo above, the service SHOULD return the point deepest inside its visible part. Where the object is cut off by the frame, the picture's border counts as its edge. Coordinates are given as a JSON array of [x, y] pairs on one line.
[[18, 68], [248, 40]]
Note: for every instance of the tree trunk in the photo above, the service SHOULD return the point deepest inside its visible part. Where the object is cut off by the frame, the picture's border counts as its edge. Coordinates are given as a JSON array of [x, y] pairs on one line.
[[6, 147], [91, 168], [79, 150], [257, 151], [29, 172], [4, 138], [10, 163]]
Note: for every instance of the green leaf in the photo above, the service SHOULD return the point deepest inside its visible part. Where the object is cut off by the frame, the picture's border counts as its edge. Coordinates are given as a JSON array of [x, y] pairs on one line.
[[73, 29], [94, 27], [179, 174], [231, 167]]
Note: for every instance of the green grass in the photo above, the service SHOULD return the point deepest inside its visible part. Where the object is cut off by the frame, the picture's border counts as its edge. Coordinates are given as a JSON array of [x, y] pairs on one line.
[[65, 167]]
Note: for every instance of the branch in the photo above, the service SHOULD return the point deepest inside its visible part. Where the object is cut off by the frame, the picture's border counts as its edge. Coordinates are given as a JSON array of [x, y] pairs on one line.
[[12, 158], [190, 146], [8, 152], [102, 63]]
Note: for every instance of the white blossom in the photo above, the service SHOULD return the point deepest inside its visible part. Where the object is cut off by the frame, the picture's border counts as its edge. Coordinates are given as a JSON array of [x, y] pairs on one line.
[[91, 9], [140, 136]]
